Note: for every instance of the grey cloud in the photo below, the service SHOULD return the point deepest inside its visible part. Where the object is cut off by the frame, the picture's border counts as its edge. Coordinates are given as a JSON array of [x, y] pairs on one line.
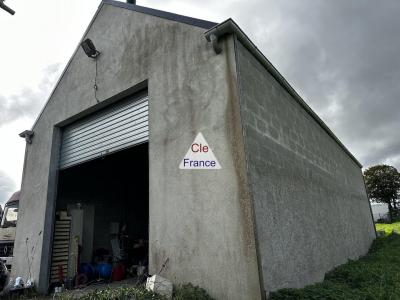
[[29, 101], [342, 57], [7, 187]]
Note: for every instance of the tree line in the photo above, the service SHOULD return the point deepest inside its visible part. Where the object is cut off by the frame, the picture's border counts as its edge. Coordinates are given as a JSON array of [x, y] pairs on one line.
[[383, 186]]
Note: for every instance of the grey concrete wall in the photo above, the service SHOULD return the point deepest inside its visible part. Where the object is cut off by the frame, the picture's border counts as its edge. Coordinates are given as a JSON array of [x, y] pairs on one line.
[[200, 220], [310, 203]]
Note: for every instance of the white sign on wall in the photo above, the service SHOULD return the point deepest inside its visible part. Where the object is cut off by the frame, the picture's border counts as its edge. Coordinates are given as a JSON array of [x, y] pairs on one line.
[[200, 156]]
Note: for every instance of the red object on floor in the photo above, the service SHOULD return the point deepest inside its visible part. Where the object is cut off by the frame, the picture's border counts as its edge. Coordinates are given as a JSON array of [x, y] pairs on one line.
[[118, 272], [60, 274]]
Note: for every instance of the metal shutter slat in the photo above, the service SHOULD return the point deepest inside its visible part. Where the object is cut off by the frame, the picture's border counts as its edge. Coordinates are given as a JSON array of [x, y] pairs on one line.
[[104, 123], [99, 152], [96, 118], [112, 129], [104, 145], [104, 135]]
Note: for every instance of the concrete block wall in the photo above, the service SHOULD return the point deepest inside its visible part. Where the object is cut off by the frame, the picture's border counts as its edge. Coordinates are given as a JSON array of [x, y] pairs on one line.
[[311, 207]]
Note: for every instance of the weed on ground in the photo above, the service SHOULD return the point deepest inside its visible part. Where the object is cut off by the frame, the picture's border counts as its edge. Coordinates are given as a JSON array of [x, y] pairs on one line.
[[375, 276]]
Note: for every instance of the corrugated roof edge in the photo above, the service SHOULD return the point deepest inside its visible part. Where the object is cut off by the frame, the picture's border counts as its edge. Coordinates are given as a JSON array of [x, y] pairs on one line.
[[162, 14], [145, 10], [230, 27]]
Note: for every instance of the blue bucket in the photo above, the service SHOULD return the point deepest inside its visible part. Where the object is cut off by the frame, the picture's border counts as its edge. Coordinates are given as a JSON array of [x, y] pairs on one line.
[[104, 270]]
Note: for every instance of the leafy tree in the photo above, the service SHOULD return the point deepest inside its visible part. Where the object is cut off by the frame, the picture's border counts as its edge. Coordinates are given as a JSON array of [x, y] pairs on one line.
[[383, 185]]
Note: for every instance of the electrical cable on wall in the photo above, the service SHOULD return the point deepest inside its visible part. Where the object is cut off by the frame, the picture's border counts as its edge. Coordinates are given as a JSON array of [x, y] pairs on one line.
[[91, 51], [95, 87]]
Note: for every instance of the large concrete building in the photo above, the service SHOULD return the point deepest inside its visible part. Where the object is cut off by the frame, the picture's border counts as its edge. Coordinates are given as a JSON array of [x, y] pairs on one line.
[[287, 204]]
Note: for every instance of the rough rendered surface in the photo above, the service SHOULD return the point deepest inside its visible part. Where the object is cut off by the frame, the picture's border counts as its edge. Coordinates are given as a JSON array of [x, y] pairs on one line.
[[310, 203], [199, 219]]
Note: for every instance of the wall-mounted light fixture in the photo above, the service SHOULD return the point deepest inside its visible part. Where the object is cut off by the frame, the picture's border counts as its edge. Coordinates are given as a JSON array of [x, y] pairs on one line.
[[90, 49], [92, 52], [27, 135]]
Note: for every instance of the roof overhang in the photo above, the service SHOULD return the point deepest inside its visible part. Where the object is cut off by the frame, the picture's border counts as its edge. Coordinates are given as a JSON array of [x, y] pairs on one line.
[[230, 27], [162, 14]]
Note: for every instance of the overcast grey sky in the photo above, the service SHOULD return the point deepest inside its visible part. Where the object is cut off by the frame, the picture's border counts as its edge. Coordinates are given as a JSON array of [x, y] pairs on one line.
[[341, 56]]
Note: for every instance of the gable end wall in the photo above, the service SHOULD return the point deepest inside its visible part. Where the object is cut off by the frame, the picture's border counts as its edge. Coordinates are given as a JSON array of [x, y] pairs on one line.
[[199, 219]]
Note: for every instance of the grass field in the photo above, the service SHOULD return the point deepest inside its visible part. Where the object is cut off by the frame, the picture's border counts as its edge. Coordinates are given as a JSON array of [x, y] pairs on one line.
[[374, 276], [389, 228]]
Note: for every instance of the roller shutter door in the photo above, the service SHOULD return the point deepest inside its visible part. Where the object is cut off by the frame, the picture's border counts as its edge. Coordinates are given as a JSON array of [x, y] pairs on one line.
[[115, 128]]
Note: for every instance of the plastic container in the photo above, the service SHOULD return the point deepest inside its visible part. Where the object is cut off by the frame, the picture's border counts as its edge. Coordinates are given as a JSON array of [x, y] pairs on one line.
[[104, 270], [118, 272], [87, 269]]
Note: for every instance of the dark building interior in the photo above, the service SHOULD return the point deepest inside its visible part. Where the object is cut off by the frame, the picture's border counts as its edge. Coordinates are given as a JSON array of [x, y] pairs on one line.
[[107, 200]]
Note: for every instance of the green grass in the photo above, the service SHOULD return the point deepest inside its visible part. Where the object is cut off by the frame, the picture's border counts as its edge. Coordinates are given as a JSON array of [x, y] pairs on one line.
[[389, 228], [181, 292], [374, 276], [135, 293], [185, 291]]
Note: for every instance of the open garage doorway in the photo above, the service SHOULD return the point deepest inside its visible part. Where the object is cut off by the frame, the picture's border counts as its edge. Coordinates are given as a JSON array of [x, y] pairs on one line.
[[102, 219]]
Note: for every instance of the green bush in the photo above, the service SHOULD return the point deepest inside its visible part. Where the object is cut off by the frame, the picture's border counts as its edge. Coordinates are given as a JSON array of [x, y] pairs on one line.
[[374, 276], [181, 292], [123, 293], [389, 228], [190, 292]]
